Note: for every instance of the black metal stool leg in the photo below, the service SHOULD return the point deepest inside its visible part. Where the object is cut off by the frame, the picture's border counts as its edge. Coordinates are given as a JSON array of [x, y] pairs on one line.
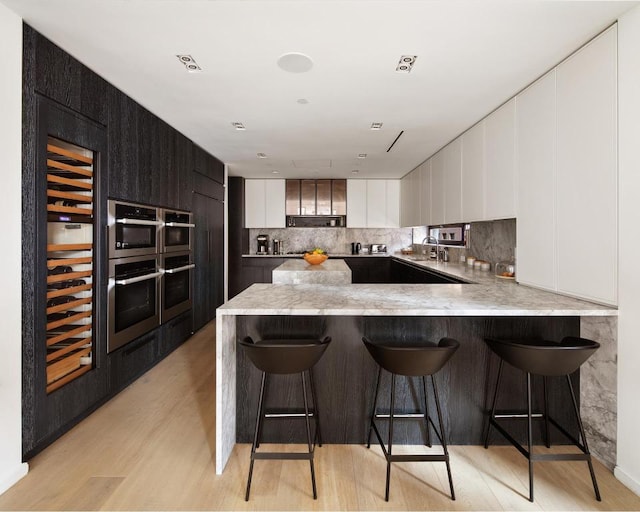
[[306, 413], [529, 437], [584, 439], [373, 410], [547, 436], [316, 414], [262, 412], [492, 415], [426, 411], [393, 393], [255, 435], [443, 436]]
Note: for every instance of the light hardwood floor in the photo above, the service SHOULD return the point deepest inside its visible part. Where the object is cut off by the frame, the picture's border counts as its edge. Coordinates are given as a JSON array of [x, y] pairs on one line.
[[152, 448]]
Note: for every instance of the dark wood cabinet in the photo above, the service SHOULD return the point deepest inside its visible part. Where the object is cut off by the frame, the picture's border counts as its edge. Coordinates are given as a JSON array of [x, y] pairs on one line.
[[404, 272], [253, 269], [371, 269], [122, 128], [129, 362]]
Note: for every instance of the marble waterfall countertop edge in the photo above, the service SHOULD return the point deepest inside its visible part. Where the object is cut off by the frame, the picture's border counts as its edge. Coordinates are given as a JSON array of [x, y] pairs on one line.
[[503, 298]]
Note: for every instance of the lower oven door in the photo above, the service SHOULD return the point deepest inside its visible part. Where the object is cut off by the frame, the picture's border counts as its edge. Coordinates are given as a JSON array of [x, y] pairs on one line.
[[134, 298], [177, 284]]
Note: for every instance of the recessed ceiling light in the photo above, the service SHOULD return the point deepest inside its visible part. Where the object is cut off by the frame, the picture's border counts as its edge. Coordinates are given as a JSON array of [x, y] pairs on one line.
[[238, 126], [189, 63], [355, 171], [261, 155], [362, 155], [405, 64], [303, 101], [376, 126], [295, 62], [275, 172]]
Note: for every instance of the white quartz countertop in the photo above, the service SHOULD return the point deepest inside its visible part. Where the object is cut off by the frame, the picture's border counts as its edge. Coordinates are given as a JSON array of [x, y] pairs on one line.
[[298, 271], [297, 265]]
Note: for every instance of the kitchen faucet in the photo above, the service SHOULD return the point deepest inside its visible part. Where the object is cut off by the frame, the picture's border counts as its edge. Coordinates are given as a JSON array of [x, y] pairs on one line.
[[426, 242]]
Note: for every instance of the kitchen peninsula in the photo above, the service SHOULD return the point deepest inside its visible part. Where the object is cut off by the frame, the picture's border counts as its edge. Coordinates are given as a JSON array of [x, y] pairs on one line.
[[298, 271], [467, 312]]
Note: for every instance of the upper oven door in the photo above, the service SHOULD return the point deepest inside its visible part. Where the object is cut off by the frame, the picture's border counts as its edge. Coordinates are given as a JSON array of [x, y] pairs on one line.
[[133, 229], [177, 231]]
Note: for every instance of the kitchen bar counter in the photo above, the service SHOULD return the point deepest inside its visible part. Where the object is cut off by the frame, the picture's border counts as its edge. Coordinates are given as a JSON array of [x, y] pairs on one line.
[[298, 271], [424, 308]]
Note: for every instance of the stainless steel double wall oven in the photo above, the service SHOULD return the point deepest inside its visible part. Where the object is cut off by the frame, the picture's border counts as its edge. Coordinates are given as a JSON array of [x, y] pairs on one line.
[[150, 268]]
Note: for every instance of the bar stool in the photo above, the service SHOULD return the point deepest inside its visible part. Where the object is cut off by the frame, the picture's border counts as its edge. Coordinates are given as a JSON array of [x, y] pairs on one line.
[[411, 361], [548, 359], [282, 357]]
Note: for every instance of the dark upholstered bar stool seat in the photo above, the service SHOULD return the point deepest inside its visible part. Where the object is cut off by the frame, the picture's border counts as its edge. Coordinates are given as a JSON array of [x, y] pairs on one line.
[[283, 357], [548, 359], [411, 361]]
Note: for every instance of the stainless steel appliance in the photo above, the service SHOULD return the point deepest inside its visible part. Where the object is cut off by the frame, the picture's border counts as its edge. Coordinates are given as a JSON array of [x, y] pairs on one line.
[[176, 285], [278, 246], [134, 298], [263, 244], [177, 231], [378, 248], [133, 229]]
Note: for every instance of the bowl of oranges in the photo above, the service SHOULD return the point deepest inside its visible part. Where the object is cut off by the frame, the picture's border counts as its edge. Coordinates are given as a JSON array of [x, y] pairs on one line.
[[315, 257]]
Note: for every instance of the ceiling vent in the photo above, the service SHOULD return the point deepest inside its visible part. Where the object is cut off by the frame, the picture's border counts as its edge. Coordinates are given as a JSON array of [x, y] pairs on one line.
[[376, 126], [362, 155], [189, 63], [261, 155], [238, 126], [395, 140], [405, 64]]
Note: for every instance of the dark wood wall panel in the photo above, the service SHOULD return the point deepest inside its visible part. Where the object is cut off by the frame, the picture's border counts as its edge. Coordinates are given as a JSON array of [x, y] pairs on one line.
[[345, 376]]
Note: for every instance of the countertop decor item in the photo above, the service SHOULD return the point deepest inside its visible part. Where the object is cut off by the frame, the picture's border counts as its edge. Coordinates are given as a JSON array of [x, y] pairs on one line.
[[506, 270], [315, 257]]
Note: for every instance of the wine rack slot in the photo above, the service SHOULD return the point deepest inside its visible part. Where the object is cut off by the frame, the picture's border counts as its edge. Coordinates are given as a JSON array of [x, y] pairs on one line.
[[70, 263]]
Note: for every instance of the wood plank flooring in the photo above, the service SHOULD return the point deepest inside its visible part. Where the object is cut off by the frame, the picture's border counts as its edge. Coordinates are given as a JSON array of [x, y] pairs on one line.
[[152, 448]]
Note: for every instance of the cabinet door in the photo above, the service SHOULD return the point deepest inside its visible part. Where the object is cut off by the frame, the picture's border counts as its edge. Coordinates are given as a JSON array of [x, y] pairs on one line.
[[587, 172], [323, 197], [357, 203], [308, 197], [535, 162], [376, 203], [392, 204], [423, 187], [338, 197], [274, 201], [453, 181], [292, 197], [473, 174], [254, 204], [437, 188], [500, 163], [202, 258], [410, 199]]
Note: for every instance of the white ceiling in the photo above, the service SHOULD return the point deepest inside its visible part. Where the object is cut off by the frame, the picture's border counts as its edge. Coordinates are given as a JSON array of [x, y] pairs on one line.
[[472, 56]]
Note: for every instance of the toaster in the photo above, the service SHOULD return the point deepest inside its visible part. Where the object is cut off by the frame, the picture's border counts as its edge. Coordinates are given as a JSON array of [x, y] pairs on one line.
[[378, 248]]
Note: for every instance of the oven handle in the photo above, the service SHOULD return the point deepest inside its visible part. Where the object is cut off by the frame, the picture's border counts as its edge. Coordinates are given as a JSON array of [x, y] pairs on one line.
[[139, 222], [179, 225], [132, 280], [179, 269]]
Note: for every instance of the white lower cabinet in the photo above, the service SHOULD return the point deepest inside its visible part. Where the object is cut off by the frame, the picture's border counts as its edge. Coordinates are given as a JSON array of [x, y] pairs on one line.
[[264, 203]]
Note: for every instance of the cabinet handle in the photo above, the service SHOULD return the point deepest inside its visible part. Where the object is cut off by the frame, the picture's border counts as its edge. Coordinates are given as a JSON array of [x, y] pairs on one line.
[[132, 280], [179, 269]]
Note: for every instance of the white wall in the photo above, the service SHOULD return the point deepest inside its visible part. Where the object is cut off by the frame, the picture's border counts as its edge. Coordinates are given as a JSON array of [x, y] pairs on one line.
[[628, 468], [11, 466]]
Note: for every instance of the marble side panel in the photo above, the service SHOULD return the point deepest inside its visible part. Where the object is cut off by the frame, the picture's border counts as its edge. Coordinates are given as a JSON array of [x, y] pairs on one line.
[[598, 388], [298, 271], [225, 389]]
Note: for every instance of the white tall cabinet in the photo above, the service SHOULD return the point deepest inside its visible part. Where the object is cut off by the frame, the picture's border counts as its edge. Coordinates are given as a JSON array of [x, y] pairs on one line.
[[424, 194], [437, 187], [499, 154], [453, 181], [472, 171], [536, 221], [373, 203], [587, 171], [264, 205]]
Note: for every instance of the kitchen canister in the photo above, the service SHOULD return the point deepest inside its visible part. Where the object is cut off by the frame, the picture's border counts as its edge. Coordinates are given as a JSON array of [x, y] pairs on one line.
[[470, 261]]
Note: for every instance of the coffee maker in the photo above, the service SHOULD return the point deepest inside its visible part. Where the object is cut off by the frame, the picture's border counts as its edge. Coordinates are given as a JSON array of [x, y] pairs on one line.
[[263, 244]]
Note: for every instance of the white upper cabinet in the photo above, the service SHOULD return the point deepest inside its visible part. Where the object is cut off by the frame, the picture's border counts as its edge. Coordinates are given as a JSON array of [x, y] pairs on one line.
[[424, 193], [535, 162], [437, 188], [473, 173], [410, 199], [587, 171], [373, 203], [357, 203], [453, 181], [499, 154], [264, 204]]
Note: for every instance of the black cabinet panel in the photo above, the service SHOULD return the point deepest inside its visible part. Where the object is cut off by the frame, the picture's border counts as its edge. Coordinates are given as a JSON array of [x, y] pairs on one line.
[[369, 270], [174, 333], [129, 362], [123, 146], [180, 177], [207, 164], [403, 272]]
